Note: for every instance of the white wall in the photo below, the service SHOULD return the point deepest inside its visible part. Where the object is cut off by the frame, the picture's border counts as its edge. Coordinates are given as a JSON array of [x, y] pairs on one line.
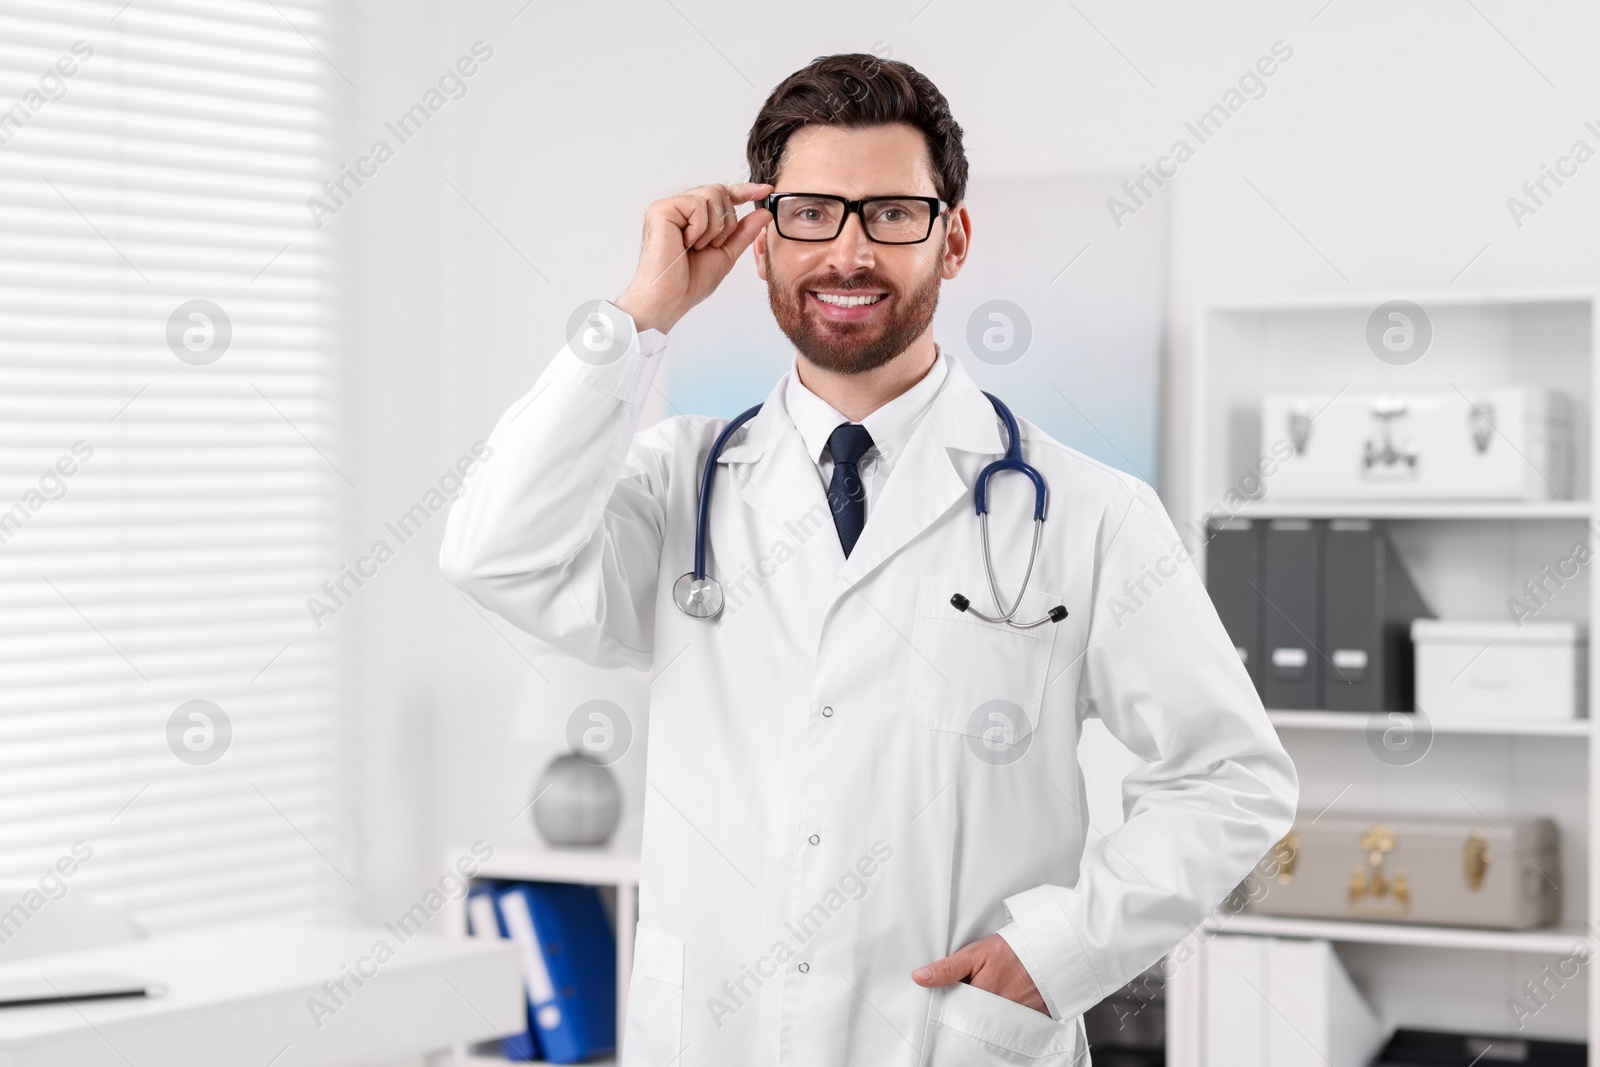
[[1379, 160]]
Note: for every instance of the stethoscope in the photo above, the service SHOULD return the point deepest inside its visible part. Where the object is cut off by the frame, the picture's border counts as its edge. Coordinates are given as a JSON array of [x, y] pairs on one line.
[[700, 596]]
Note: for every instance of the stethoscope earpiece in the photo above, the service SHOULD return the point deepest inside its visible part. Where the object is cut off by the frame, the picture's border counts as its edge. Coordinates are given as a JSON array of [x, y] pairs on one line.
[[961, 603]]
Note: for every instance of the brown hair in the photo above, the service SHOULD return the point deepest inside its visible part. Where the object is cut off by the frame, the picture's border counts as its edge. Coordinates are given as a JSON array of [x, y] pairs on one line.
[[853, 90]]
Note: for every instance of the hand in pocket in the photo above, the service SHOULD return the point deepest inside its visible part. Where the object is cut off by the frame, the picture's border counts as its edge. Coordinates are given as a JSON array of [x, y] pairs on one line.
[[990, 965]]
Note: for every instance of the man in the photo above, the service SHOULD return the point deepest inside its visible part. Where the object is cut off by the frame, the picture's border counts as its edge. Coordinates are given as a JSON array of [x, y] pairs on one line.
[[864, 830]]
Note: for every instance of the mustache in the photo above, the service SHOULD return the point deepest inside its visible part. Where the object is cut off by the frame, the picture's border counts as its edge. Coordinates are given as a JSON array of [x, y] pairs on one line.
[[863, 280]]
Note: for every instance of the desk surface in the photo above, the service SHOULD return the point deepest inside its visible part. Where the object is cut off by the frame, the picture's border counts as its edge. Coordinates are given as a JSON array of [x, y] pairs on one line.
[[267, 994]]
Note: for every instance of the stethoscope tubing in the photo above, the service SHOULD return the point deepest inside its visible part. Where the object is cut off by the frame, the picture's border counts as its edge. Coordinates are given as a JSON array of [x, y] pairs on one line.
[[703, 519], [1011, 460]]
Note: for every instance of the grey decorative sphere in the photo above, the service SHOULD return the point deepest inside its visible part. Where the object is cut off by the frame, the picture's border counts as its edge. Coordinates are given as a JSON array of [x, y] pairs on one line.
[[579, 803]]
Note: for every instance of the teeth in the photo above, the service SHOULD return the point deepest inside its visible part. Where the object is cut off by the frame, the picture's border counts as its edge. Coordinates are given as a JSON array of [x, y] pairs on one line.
[[847, 301]]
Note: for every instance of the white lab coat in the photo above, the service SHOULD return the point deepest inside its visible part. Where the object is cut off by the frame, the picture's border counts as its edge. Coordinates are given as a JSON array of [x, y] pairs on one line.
[[827, 807]]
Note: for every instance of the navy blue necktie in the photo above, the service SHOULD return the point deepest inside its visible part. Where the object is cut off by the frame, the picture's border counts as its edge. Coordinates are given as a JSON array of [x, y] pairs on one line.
[[847, 494]]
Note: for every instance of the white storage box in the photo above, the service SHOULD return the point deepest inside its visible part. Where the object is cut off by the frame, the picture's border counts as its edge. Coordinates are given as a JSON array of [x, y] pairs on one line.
[[1500, 670], [1502, 443]]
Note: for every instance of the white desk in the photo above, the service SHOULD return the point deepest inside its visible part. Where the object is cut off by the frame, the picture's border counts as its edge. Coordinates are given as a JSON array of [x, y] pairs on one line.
[[237, 997]]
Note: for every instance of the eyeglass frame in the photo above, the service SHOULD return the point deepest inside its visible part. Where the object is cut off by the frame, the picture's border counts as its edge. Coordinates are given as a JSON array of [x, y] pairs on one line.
[[854, 207]]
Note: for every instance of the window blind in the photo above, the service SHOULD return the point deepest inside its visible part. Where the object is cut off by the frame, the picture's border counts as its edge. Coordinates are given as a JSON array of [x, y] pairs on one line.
[[168, 488]]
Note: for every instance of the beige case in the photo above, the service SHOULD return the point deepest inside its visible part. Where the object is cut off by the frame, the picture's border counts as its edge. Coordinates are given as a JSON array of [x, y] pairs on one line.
[[1445, 872]]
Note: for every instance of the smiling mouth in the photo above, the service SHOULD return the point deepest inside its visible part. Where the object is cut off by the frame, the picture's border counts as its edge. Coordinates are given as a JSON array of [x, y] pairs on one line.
[[849, 301]]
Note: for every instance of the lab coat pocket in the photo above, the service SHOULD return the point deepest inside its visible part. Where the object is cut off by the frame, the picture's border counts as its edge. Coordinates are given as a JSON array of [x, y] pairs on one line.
[[968, 1025], [653, 1034], [974, 677]]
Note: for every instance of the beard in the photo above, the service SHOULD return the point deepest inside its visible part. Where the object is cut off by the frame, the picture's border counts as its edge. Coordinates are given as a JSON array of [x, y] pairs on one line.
[[852, 347]]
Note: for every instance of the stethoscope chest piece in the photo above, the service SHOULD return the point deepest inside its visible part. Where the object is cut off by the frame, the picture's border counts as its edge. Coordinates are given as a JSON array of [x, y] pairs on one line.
[[699, 598]]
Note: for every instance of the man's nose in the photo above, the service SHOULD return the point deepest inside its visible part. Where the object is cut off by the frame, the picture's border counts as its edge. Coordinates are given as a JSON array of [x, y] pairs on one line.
[[851, 250]]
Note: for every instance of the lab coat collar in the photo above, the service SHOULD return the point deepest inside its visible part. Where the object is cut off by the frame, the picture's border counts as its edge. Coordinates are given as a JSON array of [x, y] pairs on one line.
[[783, 486], [965, 417]]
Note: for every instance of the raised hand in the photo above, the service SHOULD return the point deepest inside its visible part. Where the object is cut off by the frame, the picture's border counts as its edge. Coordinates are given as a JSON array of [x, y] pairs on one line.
[[690, 243]]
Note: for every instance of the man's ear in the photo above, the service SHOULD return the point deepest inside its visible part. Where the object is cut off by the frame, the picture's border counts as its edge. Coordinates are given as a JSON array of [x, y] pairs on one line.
[[957, 241], [759, 253]]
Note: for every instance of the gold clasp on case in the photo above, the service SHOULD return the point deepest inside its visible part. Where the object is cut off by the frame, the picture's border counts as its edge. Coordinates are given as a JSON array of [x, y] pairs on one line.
[[1371, 881], [1475, 858], [1286, 853], [1377, 841]]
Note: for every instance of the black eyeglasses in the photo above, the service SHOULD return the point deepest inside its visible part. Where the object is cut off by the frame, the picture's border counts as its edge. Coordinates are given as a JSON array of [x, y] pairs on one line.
[[888, 220]]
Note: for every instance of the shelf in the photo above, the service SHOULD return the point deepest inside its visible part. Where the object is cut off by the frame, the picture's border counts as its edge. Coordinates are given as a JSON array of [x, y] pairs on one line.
[[1365, 302], [584, 866], [531, 860], [1532, 510], [1549, 940], [1355, 721], [500, 1061]]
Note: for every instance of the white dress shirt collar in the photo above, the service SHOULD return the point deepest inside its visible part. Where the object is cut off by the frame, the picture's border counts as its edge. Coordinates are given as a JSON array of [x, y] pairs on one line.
[[890, 425]]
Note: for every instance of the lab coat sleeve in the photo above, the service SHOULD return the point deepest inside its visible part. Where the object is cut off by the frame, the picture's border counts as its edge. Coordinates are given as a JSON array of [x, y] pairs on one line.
[[1214, 792], [561, 531]]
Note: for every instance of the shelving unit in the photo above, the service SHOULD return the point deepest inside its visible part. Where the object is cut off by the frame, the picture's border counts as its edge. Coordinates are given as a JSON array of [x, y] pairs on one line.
[[1467, 558], [614, 867], [1355, 721], [1389, 509], [1555, 939]]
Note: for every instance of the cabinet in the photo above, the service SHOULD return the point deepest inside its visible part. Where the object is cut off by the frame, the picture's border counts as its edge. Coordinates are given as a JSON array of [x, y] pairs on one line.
[[1468, 559]]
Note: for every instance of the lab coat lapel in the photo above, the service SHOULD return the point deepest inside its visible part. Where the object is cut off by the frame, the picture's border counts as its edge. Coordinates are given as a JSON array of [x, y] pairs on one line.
[[925, 482], [768, 464]]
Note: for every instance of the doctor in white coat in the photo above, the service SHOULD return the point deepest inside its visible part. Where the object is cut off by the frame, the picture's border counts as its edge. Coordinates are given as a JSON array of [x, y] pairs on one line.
[[865, 839]]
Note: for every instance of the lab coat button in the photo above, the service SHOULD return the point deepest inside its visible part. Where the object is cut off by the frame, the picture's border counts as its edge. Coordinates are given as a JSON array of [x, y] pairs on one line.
[[804, 967], [827, 713], [815, 840]]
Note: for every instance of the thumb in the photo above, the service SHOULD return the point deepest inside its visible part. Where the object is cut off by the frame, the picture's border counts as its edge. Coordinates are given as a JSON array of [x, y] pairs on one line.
[[945, 971], [744, 233]]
